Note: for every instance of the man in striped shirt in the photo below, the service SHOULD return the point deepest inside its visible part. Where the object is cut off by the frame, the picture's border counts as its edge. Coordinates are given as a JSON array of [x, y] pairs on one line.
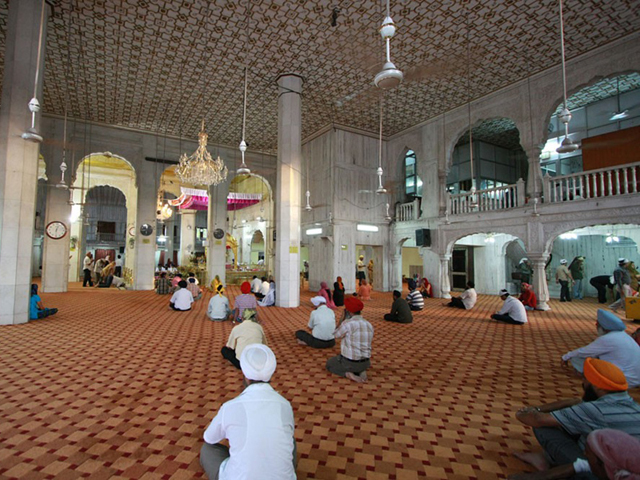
[[562, 427], [415, 298], [355, 349]]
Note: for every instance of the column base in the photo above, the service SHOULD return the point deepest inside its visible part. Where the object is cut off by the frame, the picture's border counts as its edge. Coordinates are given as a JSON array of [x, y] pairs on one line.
[[543, 306]]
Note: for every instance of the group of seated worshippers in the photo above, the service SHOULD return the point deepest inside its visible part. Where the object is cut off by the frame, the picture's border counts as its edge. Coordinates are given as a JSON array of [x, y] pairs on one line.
[[108, 278], [356, 334], [467, 299]]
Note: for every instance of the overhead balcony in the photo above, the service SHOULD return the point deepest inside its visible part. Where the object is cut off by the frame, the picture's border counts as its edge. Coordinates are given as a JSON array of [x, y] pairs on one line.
[[406, 212], [605, 182], [488, 200]]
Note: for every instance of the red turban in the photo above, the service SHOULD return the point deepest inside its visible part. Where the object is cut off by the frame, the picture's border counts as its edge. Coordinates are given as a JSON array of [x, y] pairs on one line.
[[245, 287], [353, 304]]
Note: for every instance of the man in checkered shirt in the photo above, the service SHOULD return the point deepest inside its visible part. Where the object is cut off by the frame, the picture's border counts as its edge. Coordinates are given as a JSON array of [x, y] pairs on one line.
[[355, 349]]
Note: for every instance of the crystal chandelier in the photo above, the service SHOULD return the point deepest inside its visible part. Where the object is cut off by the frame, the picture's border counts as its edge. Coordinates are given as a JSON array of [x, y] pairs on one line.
[[200, 168]]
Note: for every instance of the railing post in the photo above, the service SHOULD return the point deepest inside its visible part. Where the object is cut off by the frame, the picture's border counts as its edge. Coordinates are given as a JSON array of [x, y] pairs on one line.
[[520, 192], [416, 209], [399, 212], [546, 180]]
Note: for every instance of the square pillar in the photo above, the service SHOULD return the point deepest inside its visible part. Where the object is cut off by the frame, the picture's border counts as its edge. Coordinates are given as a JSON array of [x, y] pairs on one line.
[[55, 252], [217, 220]]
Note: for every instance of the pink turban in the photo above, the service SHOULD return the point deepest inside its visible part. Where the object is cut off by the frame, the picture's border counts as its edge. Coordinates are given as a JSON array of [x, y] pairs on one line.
[[619, 451]]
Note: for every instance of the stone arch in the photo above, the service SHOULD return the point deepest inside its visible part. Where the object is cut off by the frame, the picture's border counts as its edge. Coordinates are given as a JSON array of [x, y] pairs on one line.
[[515, 231], [552, 234]]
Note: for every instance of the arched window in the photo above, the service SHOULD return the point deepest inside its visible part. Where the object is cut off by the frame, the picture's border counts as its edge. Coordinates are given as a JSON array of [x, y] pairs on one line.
[[412, 182]]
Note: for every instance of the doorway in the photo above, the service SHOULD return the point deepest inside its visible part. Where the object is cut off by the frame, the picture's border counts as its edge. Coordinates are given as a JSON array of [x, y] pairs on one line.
[[461, 267], [372, 275]]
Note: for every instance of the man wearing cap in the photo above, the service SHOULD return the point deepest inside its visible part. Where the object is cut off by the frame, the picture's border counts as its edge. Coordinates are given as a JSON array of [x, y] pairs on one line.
[[322, 323], [245, 300], [613, 345], [622, 282], [563, 277], [247, 333], [259, 425], [562, 427], [400, 309], [355, 348], [512, 311]]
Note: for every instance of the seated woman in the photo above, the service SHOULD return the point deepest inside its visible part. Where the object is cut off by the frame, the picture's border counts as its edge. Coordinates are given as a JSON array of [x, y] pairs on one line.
[[364, 291], [36, 308], [270, 298], [326, 293], [528, 297], [338, 292], [425, 288]]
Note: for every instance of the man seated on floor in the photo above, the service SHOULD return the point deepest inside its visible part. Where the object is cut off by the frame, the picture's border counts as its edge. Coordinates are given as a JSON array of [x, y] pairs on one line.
[[163, 285], [400, 310], [244, 300], [467, 299], [248, 332], [195, 290], [528, 297], [264, 289], [415, 298], [613, 345], [175, 281], [259, 425], [256, 283], [562, 427], [181, 299], [218, 309], [512, 311], [355, 348], [322, 323]]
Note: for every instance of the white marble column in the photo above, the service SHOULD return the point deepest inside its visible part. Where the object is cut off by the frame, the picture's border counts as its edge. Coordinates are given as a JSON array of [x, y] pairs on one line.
[[187, 236], [442, 193], [445, 284], [18, 159], [55, 252], [168, 244], [145, 246], [217, 220], [534, 175], [540, 286], [288, 191], [396, 272]]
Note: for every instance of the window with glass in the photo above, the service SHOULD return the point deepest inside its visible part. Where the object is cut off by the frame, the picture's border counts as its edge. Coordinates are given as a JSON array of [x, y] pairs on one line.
[[412, 182]]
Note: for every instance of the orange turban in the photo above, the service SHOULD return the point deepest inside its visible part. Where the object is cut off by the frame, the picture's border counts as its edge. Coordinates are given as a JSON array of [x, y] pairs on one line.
[[245, 287], [604, 375]]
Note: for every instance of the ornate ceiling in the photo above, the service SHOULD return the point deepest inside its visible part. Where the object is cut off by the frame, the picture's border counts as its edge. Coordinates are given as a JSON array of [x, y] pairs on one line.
[[163, 65]]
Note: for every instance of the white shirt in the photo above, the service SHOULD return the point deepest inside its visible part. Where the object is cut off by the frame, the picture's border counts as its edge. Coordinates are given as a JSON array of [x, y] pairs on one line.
[[218, 307], [86, 265], [322, 322], [515, 309], [617, 348], [264, 288], [255, 285], [118, 262], [182, 299], [469, 297], [117, 282], [259, 425]]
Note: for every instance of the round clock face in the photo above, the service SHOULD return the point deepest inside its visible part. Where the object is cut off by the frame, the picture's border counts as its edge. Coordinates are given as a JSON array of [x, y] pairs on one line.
[[146, 229], [132, 231], [218, 233], [56, 230]]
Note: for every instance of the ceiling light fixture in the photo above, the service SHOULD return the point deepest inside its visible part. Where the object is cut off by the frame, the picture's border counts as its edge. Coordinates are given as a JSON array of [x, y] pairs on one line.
[[32, 135], [380, 190], [618, 114], [244, 170], [389, 76], [473, 201], [200, 168], [567, 145]]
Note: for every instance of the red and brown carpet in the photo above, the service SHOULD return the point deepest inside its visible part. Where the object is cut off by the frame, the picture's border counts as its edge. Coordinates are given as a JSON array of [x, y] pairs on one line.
[[118, 386]]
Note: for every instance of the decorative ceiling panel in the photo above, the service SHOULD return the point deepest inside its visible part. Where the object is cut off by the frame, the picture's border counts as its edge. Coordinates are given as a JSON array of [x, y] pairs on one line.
[[163, 66]]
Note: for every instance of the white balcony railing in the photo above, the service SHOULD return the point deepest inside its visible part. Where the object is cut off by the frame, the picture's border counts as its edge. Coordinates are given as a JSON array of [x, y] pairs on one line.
[[408, 211], [605, 182], [488, 200]]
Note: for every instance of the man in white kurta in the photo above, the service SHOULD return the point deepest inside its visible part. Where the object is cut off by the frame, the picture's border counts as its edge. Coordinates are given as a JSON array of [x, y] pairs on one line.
[[512, 311], [612, 345], [259, 425]]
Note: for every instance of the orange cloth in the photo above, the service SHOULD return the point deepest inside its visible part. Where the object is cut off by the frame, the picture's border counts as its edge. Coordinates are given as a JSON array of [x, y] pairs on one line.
[[364, 292], [604, 375], [245, 287]]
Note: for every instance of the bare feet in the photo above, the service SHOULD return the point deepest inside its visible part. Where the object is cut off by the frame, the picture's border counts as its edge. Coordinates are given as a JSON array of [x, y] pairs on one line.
[[535, 459], [357, 378]]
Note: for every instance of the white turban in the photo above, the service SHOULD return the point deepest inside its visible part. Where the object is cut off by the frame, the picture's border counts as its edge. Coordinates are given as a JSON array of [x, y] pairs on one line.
[[318, 300], [258, 362]]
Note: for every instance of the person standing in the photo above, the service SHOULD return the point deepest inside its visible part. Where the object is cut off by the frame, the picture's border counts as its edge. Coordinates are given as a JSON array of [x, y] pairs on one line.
[[86, 269], [360, 275], [601, 283], [370, 272], [119, 265], [355, 349], [576, 267], [622, 282], [259, 425], [563, 277]]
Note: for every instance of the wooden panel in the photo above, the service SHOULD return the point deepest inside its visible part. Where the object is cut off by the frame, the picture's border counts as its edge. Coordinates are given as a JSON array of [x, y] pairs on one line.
[[615, 148]]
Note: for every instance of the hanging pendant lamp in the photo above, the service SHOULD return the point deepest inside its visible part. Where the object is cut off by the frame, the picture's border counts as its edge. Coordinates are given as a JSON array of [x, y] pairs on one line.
[[567, 145], [32, 135], [244, 170], [389, 76], [380, 190]]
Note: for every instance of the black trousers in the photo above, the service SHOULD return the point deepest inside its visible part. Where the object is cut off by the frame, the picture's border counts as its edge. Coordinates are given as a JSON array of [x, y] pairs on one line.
[[506, 319], [87, 278], [390, 317], [314, 342], [230, 354], [561, 448], [118, 272], [457, 303], [565, 293]]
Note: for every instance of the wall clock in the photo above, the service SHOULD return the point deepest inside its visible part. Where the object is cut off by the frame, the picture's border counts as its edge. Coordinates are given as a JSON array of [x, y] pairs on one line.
[[146, 229], [56, 230], [218, 233], [132, 231]]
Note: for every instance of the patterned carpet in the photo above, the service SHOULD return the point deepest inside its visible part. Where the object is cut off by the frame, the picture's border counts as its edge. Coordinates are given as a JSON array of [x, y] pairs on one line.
[[118, 386]]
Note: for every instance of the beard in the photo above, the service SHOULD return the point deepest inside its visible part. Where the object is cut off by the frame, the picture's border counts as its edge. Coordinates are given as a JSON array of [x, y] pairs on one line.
[[589, 394], [601, 331]]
